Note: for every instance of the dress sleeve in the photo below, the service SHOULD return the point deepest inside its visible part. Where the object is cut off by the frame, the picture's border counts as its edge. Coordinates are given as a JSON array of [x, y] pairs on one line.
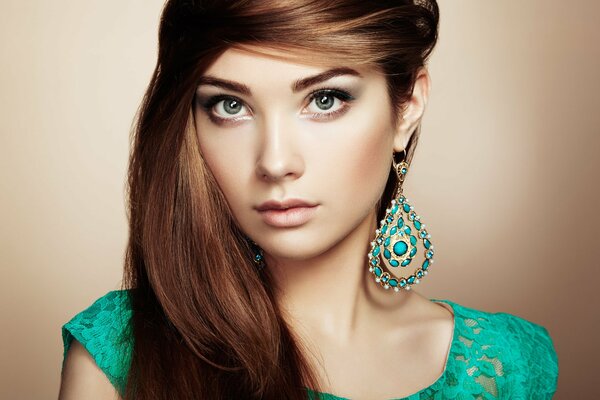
[[103, 330], [539, 359]]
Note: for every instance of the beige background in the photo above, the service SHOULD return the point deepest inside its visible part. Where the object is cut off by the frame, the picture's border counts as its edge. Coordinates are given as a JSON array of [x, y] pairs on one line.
[[505, 175]]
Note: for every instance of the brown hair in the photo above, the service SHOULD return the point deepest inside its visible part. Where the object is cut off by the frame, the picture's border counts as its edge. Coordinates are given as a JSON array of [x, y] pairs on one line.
[[205, 323]]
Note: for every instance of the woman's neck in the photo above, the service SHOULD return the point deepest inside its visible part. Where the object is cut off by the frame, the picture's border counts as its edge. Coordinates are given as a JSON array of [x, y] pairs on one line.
[[333, 295]]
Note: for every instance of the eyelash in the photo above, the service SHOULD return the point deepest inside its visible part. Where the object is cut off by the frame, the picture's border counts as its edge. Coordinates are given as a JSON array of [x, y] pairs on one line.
[[338, 93]]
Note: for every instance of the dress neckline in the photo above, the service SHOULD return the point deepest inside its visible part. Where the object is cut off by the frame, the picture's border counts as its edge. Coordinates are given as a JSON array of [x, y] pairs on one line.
[[439, 382]]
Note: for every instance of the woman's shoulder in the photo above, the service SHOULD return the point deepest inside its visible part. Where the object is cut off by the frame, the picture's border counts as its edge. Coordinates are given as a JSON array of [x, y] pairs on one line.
[[500, 325], [103, 328], [518, 353]]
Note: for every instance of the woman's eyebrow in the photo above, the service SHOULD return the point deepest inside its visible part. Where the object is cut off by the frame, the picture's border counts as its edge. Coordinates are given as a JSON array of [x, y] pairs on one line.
[[297, 86]]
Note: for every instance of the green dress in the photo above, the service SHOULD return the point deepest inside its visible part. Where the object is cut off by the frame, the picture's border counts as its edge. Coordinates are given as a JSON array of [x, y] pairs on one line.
[[492, 355]]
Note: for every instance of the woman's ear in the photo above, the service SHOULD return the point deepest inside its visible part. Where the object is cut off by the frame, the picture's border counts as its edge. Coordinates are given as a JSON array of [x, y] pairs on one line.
[[415, 108]]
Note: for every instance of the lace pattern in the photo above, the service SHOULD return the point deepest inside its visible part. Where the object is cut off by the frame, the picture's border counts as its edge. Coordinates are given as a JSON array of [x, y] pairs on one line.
[[104, 330], [492, 355]]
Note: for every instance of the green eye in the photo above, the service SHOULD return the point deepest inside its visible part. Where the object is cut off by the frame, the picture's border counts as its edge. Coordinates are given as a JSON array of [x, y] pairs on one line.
[[325, 100], [324, 104], [231, 106]]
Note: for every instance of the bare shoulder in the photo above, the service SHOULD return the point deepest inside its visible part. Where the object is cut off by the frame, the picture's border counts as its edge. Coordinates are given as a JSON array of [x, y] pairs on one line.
[[425, 309], [434, 329], [431, 321], [82, 379]]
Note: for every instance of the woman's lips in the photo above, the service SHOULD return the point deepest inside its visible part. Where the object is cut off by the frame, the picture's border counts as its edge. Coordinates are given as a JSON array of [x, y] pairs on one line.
[[289, 217]]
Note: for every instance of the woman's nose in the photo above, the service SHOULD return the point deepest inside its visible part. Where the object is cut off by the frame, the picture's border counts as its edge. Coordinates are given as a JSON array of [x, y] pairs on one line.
[[278, 154]]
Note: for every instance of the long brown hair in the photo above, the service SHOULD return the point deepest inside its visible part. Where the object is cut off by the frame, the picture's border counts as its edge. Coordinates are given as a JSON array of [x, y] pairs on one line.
[[205, 323]]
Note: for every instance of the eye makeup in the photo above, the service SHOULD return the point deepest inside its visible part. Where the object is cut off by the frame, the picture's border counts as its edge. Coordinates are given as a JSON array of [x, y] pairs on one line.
[[342, 95], [345, 97]]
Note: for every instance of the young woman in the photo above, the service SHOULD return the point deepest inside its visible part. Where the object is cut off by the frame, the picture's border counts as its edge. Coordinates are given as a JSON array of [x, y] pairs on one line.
[[272, 252]]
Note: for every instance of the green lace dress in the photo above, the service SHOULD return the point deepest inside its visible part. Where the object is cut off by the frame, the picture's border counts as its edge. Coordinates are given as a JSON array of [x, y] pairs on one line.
[[492, 355]]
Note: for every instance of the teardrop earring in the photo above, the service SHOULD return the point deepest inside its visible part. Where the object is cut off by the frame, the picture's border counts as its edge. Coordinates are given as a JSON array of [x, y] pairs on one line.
[[396, 242], [259, 257]]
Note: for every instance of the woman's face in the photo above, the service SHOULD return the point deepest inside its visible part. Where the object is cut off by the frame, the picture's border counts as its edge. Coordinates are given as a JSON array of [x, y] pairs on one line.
[[271, 130]]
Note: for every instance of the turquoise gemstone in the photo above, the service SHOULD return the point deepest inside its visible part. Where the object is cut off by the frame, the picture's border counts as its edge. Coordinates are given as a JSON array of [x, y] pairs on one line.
[[427, 243], [423, 234], [377, 271], [407, 229], [419, 274], [393, 230], [387, 241], [375, 251], [400, 222], [429, 254], [394, 263], [389, 219], [395, 209], [393, 282], [403, 170], [400, 247], [413, 251], [374, 261], [384, 278], [379, 240], [425, 265], [406, 207], [402, 199], [402, 282], [406, 262], [413, 240], [412, 215], [417, 224], [387, 254], [411, 280], [384, 229]]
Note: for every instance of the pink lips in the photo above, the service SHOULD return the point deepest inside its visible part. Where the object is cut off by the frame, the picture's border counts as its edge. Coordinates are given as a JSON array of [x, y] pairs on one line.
[[288, 213]]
